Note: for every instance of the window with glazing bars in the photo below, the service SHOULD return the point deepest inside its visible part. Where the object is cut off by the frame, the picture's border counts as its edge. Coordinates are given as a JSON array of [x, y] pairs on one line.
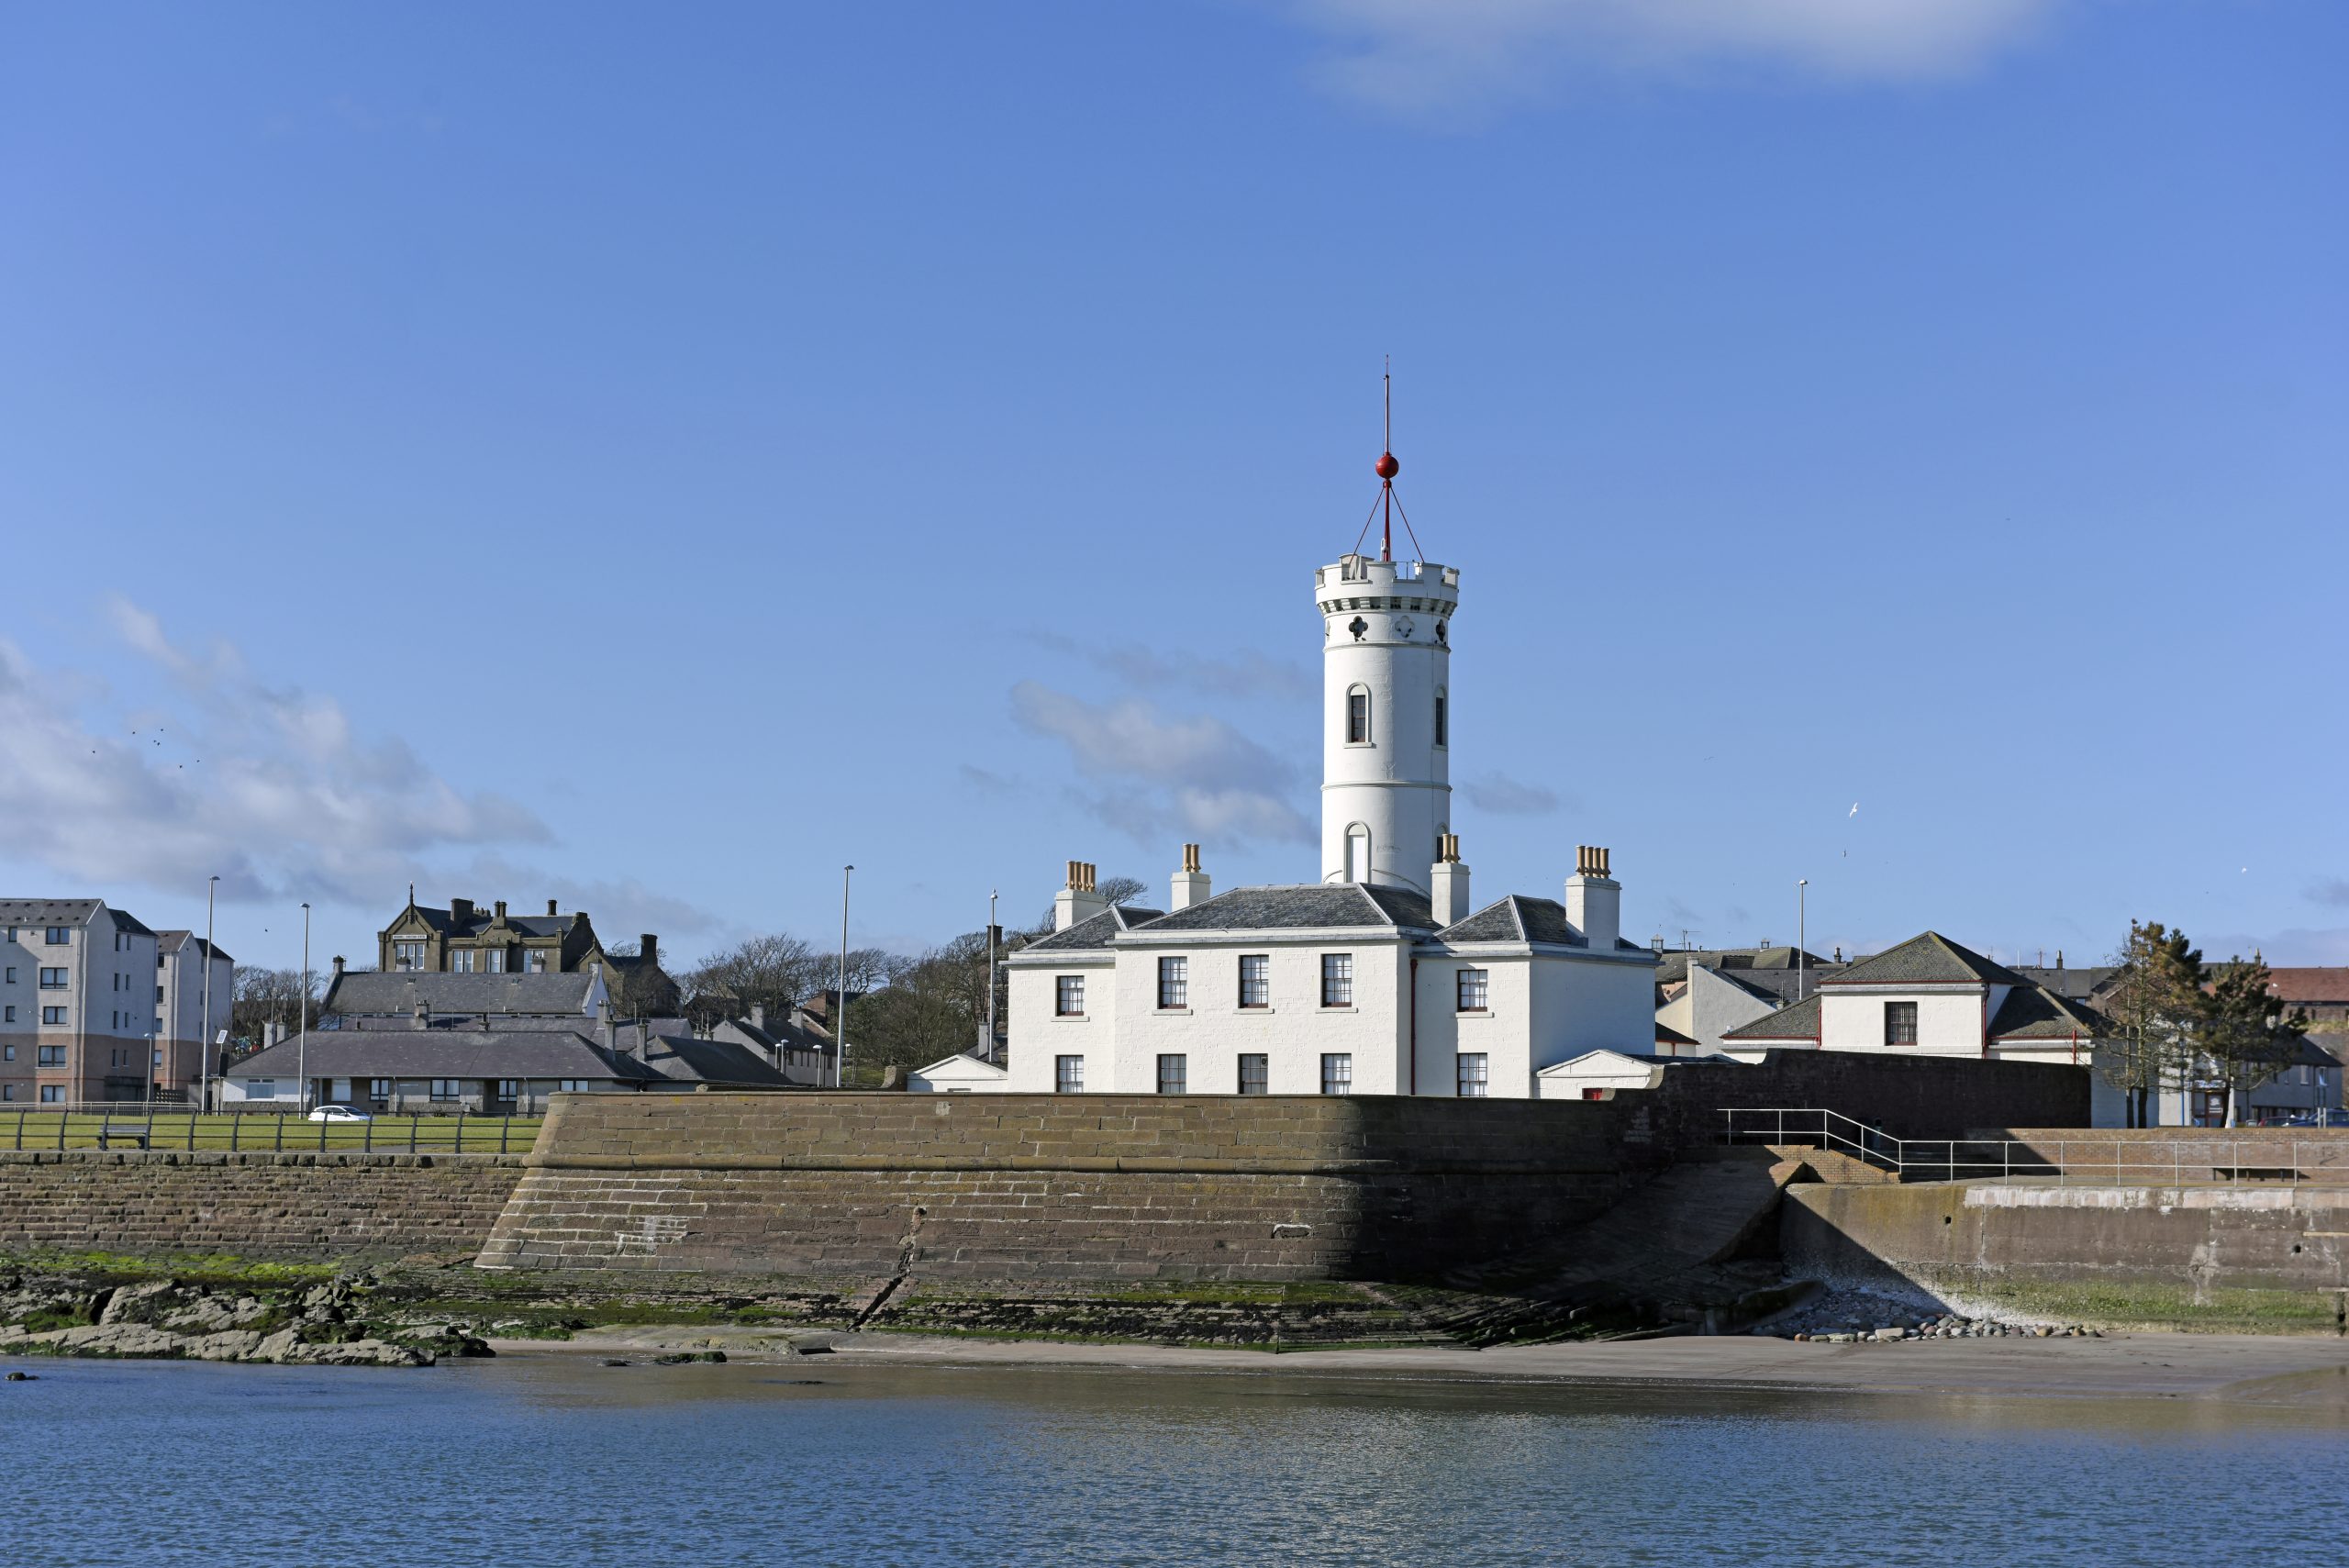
[[1255, 980], [1357, 718], [1068, 995], [1337, 1073], [1174, 982], [1173, 1074], [1901, 1023], [1254, 1076], [1068, 1075], [1475, 990], [1472, 1079], [1337, 980]]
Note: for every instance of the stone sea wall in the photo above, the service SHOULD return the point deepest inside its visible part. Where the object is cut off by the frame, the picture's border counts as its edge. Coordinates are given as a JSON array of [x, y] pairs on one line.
[[332, 1207], [1134, 1188], [2255, 1255]]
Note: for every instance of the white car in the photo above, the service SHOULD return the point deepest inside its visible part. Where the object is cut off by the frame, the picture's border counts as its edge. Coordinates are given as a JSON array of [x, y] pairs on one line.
[[339, 1113]]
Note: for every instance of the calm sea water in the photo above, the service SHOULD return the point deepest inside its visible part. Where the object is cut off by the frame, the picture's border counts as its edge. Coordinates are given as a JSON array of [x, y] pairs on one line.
[[555, 1461]]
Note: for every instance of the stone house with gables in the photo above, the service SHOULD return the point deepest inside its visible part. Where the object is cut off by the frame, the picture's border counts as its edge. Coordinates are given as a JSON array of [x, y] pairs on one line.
[[467, 938]]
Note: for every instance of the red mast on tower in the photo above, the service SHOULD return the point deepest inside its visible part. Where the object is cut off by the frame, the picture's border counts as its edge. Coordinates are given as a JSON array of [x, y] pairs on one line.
[[1387, 507], [1387, 468]]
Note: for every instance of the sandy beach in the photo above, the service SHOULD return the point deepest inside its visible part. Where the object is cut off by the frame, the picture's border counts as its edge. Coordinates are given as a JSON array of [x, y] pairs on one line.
[[2300, 1371]]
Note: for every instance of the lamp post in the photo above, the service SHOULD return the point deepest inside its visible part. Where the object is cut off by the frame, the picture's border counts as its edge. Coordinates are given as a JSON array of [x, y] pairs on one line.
[[204, 1043], [151, 1059], [301, 1041], [839, 1024], [991, 935], [1802, 929]]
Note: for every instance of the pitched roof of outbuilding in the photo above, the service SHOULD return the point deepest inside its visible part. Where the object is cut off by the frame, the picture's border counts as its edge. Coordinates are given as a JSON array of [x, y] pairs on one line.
[[1796, 1021], [397, 991], [1928, 958], [2033, 1012], [1303, 907], [444, 1053]]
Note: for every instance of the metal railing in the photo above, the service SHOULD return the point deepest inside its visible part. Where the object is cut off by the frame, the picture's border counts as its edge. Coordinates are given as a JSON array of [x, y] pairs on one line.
[[137, 1125], [2115, 1158]]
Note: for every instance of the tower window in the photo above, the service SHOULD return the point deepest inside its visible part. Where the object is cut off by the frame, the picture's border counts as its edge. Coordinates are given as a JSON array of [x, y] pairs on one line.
[[1357, 853], [1441, 728], [1358, 717]]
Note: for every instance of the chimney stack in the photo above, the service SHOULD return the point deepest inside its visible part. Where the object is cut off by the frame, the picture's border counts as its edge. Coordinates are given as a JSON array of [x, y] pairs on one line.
[[611, 1035], [1190, 883], [1448, 886], [419, 1015], [338, 965], [550, 906], [1594, 899], [650, 945], [1078, 900], [500, 908], [758, 1014], [461, 912]]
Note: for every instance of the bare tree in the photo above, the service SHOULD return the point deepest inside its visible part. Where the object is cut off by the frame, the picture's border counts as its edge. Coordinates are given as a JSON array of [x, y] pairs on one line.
[[266, 997]]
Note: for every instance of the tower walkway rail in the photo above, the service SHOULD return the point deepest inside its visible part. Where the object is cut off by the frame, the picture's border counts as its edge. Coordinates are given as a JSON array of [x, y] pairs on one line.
[[2065, 1157]]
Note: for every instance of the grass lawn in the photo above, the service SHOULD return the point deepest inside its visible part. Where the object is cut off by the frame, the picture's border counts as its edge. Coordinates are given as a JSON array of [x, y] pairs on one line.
[[170, 1129]]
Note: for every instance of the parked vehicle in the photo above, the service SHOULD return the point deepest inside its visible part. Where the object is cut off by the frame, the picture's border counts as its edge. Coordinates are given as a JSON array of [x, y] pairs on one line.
[[2333, 1118], [339, 1113]]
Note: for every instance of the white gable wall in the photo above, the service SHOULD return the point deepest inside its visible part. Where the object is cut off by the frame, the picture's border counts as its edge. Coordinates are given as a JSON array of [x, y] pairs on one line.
[[1949, 1020]]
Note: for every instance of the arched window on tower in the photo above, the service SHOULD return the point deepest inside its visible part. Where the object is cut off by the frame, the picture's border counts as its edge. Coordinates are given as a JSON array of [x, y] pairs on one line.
[[1357, 853], [1358, 716], [1442, 718]]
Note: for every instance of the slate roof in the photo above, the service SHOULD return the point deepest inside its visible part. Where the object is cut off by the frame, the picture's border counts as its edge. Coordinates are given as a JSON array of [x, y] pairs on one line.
[[1094, 931], [482, 918], [171, 941], [1303, 907], [1799, 1021], [1674, 966], [1929, 959], [1516, 918], [1667, 1035], [63, 912], [397, 991], [444, 1053], [2033, 1012], [2073, 982], [507, 1053]]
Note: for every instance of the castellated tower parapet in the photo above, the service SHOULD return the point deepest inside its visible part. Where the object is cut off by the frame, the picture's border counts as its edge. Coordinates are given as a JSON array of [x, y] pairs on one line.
[[1386, 719]]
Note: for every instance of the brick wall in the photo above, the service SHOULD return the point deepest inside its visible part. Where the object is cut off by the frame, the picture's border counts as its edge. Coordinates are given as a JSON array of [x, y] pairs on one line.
[[274, 1207]]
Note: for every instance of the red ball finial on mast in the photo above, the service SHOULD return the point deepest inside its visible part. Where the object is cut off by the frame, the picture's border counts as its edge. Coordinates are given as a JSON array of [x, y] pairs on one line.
[[1386, 467]]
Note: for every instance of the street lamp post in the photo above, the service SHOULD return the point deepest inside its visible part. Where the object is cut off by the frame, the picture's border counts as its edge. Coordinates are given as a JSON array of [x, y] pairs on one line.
[[1802, 929], [203, 1045], [991, 932], [302, 1042], [839, 1024]]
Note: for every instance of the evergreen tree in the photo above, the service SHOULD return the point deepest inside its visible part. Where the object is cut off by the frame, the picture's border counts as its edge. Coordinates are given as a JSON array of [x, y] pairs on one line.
[[2156, 1004], [2243, 1031]]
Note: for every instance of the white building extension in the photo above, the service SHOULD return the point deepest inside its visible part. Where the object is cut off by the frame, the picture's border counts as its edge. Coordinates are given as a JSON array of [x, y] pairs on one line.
[[1929, 997]]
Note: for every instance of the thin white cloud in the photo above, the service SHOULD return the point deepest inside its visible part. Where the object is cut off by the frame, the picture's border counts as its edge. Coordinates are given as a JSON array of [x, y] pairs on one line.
[[270, 789], [1416, 55], [1503, 796], [1163, 773], [1247, 673]]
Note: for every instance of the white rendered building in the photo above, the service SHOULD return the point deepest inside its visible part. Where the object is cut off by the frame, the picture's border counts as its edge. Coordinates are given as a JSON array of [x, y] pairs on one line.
[[1379, 978]]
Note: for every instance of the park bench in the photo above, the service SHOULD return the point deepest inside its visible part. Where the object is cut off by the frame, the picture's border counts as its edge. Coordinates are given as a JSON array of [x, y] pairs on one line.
[[135, 1132]]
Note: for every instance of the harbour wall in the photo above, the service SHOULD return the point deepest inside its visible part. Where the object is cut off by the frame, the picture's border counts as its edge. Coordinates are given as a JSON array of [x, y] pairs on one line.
[[331, 1208], [1125, 1187], [2247, 1255]]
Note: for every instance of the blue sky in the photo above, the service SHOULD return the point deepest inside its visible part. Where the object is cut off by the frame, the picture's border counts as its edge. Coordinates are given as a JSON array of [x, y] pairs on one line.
[[651, 457]]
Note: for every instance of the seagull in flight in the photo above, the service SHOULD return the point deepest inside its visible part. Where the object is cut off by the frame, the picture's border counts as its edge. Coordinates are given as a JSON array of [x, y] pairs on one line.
[[1853, 812]]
